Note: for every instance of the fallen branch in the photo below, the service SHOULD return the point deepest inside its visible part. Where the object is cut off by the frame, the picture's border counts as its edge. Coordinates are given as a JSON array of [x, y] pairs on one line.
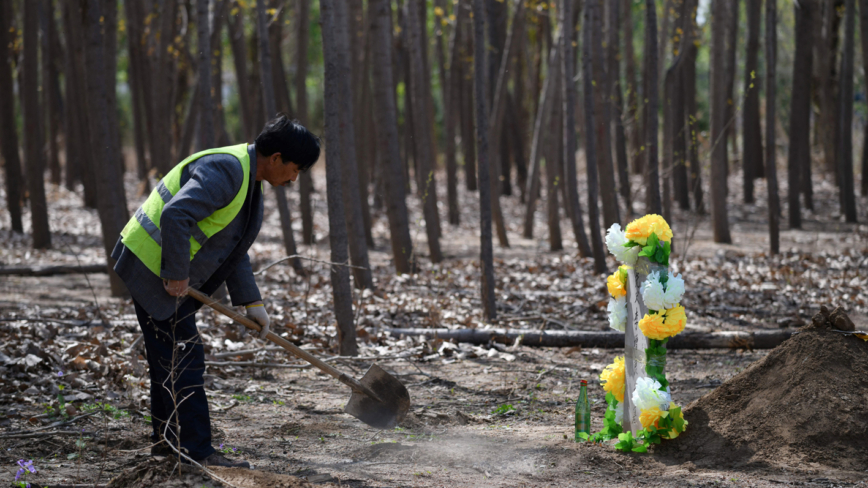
[[256, 365], [298, 256], [603, 339], [29, 435], [52, 270], [221, 355]]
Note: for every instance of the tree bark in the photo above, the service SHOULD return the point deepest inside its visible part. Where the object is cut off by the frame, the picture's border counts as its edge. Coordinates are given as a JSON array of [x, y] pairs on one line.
[[718, 123], [386, 131], [33, 130], [360, 97], [305, 181], [8, 131], [51, 103], [334, 43], [554, 158], [468, 125], [652, 174], [486, 252], [603, 127], [111, 198], [800, 109], [600, 339], [448, 87], [771, 89], [845, 113], [135, 71], [162, 68], [270, 107], [730, 68], [616, 98], [691, 111], [826, 20], [863, 35], [239, 58], [206, 104], [752, 158], [426, 163], [634, 114], [589, 34]]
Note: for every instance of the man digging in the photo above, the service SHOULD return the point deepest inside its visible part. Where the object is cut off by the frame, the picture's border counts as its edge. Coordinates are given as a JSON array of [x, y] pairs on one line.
[[194, 230]]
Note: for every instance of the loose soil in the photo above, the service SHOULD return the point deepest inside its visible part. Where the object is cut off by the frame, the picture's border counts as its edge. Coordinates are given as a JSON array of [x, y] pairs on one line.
[[807, 401]]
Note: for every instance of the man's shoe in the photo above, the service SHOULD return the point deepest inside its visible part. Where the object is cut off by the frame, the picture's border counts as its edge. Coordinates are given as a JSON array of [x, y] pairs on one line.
[[218, 459]]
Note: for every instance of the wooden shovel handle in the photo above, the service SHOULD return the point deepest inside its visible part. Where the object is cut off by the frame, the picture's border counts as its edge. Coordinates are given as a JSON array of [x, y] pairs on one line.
[[280, 341]]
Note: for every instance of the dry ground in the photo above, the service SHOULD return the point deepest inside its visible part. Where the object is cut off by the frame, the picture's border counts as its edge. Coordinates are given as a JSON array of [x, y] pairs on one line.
[[481, 416]]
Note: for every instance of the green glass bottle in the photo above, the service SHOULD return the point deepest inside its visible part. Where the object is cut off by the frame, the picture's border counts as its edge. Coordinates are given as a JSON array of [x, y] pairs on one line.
[[583, 412]]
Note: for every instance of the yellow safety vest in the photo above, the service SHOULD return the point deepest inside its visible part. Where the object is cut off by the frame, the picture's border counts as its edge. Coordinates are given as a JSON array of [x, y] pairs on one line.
[[141, 235]]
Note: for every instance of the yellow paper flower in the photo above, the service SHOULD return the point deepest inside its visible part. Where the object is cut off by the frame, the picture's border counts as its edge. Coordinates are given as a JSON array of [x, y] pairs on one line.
[[640, 229], [617, 282], [672, 434], [664, 323], [651, 416], [676, 319], [613, 378]]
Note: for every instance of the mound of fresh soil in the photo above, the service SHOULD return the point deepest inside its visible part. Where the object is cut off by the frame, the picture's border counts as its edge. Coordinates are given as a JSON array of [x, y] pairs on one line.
[[807, 401]]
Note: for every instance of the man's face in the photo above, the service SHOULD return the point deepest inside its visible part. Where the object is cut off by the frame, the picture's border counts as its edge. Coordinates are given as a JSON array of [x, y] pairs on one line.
[[279, 173]]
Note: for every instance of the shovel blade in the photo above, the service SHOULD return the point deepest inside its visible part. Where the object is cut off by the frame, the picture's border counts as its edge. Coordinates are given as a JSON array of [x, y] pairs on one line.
[[388, 409]]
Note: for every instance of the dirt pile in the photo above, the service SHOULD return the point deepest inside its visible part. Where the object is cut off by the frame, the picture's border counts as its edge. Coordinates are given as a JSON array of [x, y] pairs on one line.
[[806, 402]]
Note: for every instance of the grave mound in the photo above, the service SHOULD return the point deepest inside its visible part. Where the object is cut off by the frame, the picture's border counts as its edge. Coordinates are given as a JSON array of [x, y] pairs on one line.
[[806, 402]]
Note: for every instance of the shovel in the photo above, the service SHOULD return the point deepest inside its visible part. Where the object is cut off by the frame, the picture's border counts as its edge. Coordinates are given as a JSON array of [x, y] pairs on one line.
[[379, 399]]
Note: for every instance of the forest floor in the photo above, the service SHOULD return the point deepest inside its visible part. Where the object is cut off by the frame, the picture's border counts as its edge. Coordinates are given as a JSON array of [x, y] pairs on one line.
[[487, 415]]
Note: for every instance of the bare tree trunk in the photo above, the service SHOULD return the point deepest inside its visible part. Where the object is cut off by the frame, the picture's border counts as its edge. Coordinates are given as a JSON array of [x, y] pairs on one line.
[[334, 44], [670, 115], [359, 82], [603, 129], [827, 19], [752, 158], [590, 33], [239, 57], [863, 35], [845, 124], [652, 196], [305, 180], [468, 128], [800, 111], [729, 70], [634, 114], [486, 252], [110, 12], [33, 130], [718, 123], [270, 107], [162, 69], [51, 103], [206, 105], [771, 88], [422, 131], [8, 131], [448, 88], [617, 100], [386, 131], [554, 158], [543, 115], [691, 112], [112, 204], [135, 70]]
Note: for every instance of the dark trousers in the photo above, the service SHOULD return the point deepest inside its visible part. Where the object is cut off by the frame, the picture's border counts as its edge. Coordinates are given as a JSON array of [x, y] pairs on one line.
[[176, 360]]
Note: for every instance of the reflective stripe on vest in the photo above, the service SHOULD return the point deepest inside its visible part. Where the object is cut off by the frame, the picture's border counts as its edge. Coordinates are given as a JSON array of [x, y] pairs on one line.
[[142, 235]]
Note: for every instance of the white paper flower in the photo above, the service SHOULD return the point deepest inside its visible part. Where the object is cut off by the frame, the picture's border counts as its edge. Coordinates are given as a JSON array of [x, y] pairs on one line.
[[674, 291], [619, 412], [647, 394], [615, 241], [618, 313], [652, 292]]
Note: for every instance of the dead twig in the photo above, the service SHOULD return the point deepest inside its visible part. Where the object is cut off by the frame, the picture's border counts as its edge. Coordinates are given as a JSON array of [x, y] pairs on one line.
[[298, 256], [256, 365]]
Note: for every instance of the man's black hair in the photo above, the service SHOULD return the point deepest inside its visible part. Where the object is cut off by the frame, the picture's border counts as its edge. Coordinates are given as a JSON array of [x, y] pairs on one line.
[[291, 139]]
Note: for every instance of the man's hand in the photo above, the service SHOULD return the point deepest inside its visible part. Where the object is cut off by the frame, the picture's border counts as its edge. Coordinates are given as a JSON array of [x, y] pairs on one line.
[[257, 313], [176, 288]]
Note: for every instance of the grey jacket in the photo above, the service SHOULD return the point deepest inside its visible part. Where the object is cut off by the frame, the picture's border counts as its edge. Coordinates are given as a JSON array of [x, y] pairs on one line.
[[207, 184]]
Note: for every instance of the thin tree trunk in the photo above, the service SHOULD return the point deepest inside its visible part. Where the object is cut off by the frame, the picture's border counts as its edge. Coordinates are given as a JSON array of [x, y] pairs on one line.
[[305, 180], [845, 124], [334, 44], [800, 109], [554, 157], [732, 15], [33, 130], [239, 58], [590, 33], [206, 104], [386, 131], [663, 37], [135, 73], [825, 47], [448, 87], [652, 175], [603, 128], [112, 205], [752, 158], [863, 35], [543, 115], [691, 114], [617, 99], [669, 135], [270, 107], [51, 104], [425, 152], [718, 122], [468, 124], [162, 81], [359, 81], [486, 252], [634, 114], [771, 88], [8, 131]]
